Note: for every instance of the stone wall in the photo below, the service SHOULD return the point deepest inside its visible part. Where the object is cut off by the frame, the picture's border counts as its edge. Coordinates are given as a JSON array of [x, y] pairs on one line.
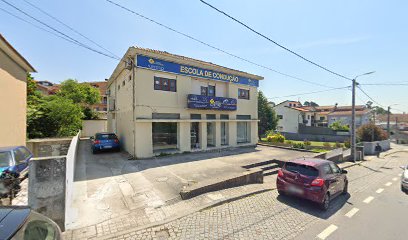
[[47, 186], [47, 147]]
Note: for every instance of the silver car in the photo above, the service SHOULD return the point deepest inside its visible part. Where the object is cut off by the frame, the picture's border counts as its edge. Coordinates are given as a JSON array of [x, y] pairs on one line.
[[404, 179]]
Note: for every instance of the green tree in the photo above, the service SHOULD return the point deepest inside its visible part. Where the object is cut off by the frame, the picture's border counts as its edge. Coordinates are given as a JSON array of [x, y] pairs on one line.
[[310, 104], [339, 126], [79, 93], [379, 110], [266, 115], [370, 132]]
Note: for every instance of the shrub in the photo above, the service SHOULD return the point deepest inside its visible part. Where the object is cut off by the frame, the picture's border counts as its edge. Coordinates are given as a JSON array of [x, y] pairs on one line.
[[370, 132], [347, 143], [338, 145], [299, 145], [338, 126], [307, 142], [289, 142], [326, 144], [276, 138]]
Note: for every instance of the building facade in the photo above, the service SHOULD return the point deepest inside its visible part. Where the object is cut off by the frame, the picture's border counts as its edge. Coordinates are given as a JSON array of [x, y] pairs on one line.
[[13, 95], [160, 102]]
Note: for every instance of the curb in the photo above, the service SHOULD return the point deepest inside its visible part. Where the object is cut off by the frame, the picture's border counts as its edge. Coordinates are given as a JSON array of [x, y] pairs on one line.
[[199, 209], [353, 164]]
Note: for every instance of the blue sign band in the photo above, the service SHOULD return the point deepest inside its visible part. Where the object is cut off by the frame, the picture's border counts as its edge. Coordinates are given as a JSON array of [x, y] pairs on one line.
[[164, 66], [214, 103]]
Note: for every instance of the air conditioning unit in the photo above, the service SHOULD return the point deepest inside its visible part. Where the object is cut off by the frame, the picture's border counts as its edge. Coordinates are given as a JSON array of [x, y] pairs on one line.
[[128, 64]]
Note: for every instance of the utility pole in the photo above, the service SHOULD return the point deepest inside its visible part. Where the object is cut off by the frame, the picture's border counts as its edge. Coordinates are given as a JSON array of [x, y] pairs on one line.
[[353, 121], [353, 117], [388, 121]]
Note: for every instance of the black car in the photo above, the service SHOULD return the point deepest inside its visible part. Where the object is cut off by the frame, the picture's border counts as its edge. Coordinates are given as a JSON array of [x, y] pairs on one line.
[[20, 222]]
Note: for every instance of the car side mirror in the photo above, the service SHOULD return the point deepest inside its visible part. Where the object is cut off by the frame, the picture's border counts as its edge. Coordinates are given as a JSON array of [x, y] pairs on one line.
[[343, 171]]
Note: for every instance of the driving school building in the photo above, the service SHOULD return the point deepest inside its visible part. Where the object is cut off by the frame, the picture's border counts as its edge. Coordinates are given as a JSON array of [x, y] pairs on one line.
[[160, 102]]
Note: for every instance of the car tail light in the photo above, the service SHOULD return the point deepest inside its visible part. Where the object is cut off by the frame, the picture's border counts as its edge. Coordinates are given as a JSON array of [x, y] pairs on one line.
[[280, 173], [97, 141], [318, 182], [116, 141]]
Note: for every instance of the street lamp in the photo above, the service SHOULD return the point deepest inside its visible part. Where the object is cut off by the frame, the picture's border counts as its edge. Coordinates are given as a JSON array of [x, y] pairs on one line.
[[353, 116]]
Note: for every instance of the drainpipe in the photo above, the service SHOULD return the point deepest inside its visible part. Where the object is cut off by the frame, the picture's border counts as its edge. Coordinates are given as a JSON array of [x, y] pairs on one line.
[[134, 108]]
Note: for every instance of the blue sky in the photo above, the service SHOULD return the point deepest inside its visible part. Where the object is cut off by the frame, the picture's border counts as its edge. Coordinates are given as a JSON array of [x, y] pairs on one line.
[[349, 37]]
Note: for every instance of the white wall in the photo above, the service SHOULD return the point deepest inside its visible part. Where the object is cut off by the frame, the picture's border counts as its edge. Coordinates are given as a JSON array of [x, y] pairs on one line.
[[90, 127], [290, 121]]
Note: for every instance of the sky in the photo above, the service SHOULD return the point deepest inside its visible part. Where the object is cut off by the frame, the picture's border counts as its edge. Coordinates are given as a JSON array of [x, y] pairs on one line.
[[347, 36]]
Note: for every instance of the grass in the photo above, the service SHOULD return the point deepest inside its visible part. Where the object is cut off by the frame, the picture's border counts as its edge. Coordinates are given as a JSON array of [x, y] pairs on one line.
[[313, 143]]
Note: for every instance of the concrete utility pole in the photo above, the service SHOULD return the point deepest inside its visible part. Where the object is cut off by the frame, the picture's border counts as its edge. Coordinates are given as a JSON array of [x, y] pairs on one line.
[[388, 121], [353, 116]]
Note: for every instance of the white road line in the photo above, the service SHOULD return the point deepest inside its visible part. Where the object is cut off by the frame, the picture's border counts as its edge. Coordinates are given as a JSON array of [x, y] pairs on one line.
[[388, 184], [380, 190], [326, 232], [352, 212], [368, 200], [395, 179], [400, 174]]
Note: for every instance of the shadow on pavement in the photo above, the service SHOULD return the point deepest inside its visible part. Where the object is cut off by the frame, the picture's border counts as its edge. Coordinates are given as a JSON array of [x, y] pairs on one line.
[[313, 208]]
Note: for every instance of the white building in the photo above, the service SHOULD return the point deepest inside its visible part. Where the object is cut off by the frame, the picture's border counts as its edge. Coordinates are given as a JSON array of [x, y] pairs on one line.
[[290, 114], [161, 102]]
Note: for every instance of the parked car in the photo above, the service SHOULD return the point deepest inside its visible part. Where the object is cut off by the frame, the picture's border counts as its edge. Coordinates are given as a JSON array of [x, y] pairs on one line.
[[313, 179], [105, 141], [15, 159], [404, 179], [20, 222]]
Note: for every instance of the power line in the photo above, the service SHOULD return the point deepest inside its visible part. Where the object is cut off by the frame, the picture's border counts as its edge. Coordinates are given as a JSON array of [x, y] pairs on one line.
[[359, 87], [274, 42], [307, 93], [24, 20], [213, 47], [63, 34], [69, 27], [384, 84]]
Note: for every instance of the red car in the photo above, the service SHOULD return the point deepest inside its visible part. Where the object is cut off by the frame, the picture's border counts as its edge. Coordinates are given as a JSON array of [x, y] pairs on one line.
[[313, 179]]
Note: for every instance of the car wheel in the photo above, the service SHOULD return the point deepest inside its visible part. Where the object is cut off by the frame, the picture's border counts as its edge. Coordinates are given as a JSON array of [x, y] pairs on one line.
[[94, 151], [345, 189], [326, 202]]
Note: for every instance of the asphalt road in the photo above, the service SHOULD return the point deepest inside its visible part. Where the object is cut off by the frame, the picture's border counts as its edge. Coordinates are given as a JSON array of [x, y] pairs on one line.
[[379, 211]]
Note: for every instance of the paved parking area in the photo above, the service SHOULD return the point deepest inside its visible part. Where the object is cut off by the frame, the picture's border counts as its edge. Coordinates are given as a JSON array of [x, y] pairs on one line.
[[109, 186]]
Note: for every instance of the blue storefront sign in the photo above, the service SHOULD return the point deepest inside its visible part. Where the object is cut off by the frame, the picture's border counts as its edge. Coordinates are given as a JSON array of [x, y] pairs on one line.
[[214, 103], [165, 66]]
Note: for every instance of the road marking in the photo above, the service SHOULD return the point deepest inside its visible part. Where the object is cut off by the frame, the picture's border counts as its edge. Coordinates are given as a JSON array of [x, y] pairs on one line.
[[326, 232], [388, 184], [352, 212], [368, 200], [380, 190], [395, 179], [399, 175]]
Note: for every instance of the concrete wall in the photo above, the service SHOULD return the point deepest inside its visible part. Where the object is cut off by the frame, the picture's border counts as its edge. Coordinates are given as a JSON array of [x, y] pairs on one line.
[[12, 102], [369, 147], [90, 127], [69, 181], [316, 130], [47, 186], [47, 147]]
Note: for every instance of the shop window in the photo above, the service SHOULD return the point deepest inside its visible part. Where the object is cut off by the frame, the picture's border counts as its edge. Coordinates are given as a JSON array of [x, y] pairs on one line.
[[243, 132], [195, 135], [243, 93], [210, 116], [165, 84], [224, 133], [164, 136], [244, 117], [195, 116], [224, 116], [210, 134]]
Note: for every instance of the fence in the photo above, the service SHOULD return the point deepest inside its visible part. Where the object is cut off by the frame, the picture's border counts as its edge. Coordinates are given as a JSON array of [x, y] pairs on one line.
[[314, 137]]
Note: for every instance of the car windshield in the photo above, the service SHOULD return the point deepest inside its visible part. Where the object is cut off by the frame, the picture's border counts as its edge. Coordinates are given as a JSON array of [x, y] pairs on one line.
[[105, 136], [302, 169], [5, 159]]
